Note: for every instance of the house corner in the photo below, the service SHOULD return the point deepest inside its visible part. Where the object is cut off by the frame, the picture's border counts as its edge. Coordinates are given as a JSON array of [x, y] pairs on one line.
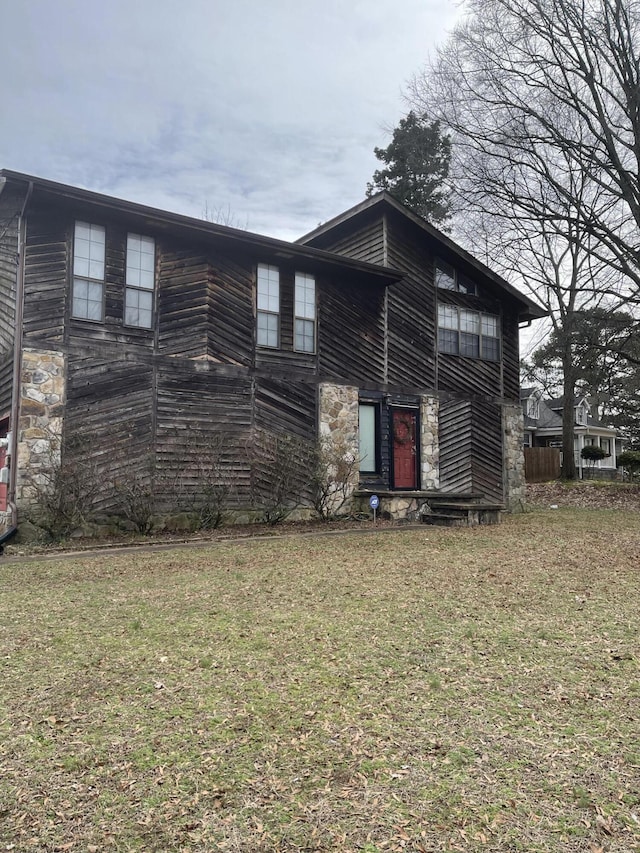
[[338, 427], [513, 457], [40, 424]]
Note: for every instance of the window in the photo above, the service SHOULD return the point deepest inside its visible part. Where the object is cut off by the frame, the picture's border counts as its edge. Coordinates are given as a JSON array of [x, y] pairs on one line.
[[141, 255], [368, 435], [448, 278], [88, 272], [468, 333], [268, 306], [581, 415], [605, 444], [533, 406], [304, 339]]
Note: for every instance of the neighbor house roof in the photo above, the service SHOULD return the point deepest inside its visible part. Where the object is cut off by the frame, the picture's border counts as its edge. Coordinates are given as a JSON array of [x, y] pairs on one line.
[[550, 414], [384, 202], [269, 247]]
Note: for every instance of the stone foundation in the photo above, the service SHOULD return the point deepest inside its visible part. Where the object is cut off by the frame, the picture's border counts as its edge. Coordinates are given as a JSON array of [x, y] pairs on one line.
[[42, 394], [513, 458]]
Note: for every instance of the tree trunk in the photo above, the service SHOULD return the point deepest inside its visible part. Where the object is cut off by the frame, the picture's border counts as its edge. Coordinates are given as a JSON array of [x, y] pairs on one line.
[[568, 470]]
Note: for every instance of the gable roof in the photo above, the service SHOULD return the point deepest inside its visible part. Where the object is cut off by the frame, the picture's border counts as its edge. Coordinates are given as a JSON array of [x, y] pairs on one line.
[[268, 247], [550, 413], [384, 202]]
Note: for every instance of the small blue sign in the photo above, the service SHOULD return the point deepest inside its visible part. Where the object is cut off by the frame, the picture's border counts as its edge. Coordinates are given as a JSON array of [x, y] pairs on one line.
[[374, 502]]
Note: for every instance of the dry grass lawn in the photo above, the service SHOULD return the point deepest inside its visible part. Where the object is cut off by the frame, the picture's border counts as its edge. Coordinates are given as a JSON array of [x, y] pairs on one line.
[[410, 690]]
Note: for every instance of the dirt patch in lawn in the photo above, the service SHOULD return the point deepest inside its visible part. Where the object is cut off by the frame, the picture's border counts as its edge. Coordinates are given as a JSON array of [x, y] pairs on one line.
[[588, 494]]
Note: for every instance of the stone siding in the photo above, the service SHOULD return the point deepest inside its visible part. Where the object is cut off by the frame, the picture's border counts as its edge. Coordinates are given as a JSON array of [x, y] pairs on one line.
[[513, 458], [42, 396], [338, 426], [429, 445]]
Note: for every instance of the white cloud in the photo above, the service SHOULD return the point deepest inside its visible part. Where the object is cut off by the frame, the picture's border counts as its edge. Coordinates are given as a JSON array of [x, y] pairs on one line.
[[269, 109]]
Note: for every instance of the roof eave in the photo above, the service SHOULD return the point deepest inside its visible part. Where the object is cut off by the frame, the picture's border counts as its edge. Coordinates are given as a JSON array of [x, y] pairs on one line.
[[532, 311], [233, 236]]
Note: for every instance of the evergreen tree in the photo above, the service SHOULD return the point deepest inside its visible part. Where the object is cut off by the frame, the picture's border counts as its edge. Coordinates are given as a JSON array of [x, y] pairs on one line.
[[417, 165]]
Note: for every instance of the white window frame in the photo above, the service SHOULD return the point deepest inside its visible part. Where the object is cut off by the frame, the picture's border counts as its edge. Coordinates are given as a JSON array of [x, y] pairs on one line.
[[89, 255], [304, 318], [268, 306], [140, 281], [458, 324], [533, 406]]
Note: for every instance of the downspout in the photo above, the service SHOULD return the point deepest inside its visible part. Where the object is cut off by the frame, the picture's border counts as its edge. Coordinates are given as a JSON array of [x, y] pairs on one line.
[[17, 369]]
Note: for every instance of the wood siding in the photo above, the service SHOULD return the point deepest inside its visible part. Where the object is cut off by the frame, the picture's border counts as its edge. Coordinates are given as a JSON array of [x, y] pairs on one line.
[[456, 442], [182, 301], [470, 436], [365, 242], [204, 419], [109, 415], [6, 383], [487, 458], [11, 201], [351, 333], [230, 314], [411, 311], [510, 355], [45, 284]]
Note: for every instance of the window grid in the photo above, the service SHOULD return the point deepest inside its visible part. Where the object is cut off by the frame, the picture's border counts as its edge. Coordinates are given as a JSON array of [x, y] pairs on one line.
[[88, 272], [468, 333], [305, 313], [268, 306], [140, 281]]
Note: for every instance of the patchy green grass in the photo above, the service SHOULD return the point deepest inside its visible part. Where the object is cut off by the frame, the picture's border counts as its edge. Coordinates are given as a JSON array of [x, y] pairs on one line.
[[429, 690]]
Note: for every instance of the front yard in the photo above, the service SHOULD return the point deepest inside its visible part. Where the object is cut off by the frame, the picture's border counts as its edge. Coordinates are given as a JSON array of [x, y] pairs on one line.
[[416, 690]]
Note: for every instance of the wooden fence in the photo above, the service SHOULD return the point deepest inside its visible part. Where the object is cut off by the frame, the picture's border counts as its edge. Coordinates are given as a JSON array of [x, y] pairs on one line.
[[541, 464]]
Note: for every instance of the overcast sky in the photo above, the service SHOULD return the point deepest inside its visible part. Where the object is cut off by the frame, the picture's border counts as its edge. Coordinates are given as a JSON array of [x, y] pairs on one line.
[[267, 111]]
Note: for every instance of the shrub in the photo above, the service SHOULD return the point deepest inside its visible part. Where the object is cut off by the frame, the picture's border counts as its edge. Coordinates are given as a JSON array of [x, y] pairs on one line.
[[64, 488], [282, 470], [334, 477], [593, 453], [630, 461]]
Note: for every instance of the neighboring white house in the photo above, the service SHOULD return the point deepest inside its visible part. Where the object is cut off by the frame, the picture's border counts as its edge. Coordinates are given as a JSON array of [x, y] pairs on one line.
[[543, 428]]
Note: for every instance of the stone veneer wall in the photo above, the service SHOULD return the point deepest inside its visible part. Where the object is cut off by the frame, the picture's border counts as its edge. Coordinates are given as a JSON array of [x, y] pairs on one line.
[[515, 489], [429, 445], [42, 396], [338, 414]]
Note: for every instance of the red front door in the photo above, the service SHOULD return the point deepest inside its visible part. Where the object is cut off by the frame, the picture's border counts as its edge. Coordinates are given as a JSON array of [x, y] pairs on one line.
[[405, 456]]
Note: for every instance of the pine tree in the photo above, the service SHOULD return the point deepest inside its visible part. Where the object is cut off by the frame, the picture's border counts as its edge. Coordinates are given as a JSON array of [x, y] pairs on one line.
[[417, 164]]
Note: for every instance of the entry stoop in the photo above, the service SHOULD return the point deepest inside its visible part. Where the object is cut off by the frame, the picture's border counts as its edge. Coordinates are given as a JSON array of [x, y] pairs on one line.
[[461, 510]]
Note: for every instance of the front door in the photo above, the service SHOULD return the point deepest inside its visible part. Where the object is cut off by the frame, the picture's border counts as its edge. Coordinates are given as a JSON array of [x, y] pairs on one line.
[[405, 450]]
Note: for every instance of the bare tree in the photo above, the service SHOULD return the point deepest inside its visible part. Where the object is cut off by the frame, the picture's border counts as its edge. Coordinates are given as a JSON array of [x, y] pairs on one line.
[[542, 99]]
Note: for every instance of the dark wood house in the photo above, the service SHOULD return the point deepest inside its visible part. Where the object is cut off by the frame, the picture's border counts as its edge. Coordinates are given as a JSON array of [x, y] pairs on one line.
[[141, 336]]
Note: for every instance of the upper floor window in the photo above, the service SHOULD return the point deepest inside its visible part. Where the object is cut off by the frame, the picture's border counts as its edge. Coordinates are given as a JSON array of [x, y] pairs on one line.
[[140, 281], [304, 338], [268, 306], [448, 278], [88, 272], [581, 414], [533, 406], [468, 333]]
